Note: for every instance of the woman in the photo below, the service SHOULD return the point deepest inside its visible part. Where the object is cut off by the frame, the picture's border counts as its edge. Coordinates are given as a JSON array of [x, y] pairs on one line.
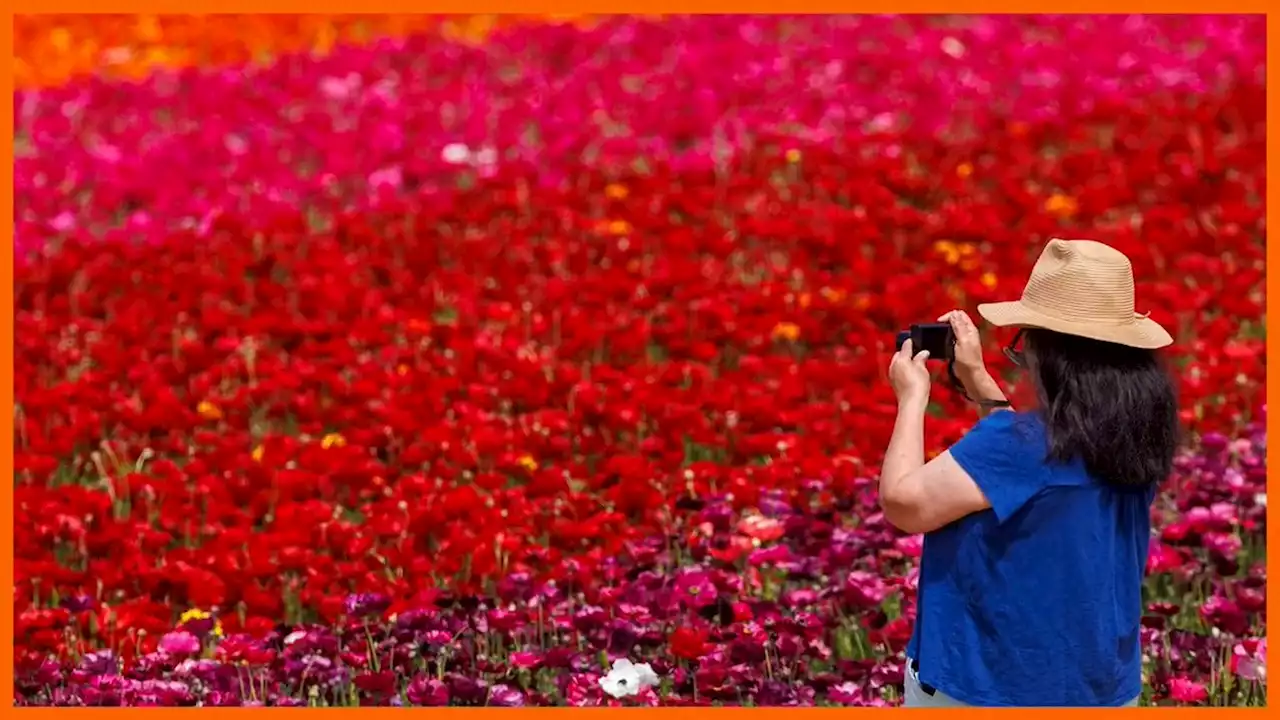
[[1037, 523]]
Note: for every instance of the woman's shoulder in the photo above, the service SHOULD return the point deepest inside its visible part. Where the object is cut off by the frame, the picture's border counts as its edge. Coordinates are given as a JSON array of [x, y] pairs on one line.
[[1005, 440], [1025, 428]]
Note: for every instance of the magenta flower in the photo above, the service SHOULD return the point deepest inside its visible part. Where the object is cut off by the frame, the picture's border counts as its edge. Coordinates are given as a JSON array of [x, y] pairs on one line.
[[427, 691], [694, 589], [1185, 690], [505, 696], [180, 643]]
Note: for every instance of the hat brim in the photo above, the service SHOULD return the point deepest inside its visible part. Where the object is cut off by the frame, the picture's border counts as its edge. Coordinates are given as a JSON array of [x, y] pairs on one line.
[[1142, 333]]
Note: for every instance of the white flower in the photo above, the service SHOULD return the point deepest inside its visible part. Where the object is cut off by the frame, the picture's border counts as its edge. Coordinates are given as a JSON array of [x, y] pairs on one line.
[[455, 153], [626, 678]]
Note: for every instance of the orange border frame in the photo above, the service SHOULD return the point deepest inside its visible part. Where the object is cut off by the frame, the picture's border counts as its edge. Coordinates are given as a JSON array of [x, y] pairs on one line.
[[567, 6]]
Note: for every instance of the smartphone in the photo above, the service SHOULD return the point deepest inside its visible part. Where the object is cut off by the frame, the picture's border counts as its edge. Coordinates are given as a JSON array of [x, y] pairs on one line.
[[937, 338]]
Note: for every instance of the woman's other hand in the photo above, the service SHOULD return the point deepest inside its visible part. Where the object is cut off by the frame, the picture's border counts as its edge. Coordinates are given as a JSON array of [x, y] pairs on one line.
[[909, 376], [971, 369], [968, 350]]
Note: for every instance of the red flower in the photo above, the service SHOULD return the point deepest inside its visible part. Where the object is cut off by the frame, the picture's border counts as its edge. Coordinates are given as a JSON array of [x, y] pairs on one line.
[[688, 643]]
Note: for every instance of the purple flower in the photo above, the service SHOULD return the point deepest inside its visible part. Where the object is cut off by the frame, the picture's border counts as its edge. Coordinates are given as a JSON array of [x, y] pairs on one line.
[[362, 605], [505, 696], [161, 693], [99, 663], [427, 691], [846, 693], [469, 691], [78, 603]]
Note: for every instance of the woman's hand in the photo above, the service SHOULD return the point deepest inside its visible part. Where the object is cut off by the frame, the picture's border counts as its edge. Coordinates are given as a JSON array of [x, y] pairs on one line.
[[909, 376], [971, 369], [968, 349]]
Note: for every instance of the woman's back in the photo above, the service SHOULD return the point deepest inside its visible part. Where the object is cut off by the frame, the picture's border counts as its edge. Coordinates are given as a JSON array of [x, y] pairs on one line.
[[1037, 601], [1037, 524]]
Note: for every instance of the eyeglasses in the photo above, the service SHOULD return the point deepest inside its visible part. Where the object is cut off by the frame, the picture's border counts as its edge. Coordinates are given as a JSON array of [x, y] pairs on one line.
[[1014, 352]]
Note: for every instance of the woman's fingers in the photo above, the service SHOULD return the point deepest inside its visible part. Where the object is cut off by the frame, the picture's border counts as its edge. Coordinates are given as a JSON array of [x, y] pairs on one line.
[[960, 323], [903, 354], [921, 357]]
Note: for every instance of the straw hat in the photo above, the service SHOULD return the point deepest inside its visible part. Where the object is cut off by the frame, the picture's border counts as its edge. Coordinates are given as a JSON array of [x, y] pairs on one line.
[[1081, 288]]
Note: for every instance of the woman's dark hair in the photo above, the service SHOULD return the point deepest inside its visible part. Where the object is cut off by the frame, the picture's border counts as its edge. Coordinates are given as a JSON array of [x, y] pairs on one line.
[[1114, 407]]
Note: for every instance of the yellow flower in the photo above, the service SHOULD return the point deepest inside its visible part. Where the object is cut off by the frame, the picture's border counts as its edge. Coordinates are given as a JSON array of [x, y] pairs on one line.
[[616, 191], [952, 253], [258, 453], [786, 331], [793, 156], [193, 614], [619, 227], [989, 280], [964, 170], [1061, 205], [332, 440], [528, 463], [209, 411]]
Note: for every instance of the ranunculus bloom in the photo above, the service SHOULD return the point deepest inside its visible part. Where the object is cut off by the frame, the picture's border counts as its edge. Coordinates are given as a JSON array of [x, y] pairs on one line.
[[1187, 691], [180, 643], [1249, 660], [688, 643]]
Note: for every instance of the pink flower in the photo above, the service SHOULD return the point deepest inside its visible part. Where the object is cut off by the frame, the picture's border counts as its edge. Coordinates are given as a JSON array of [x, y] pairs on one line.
[[64, 222], [526, 659], [583, 690], [1249, 660], [387, 177], [1188, 691], [846, 693], [180, 643]]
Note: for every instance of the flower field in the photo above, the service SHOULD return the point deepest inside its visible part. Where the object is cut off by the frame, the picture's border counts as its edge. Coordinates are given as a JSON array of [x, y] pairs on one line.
[[413, 361]]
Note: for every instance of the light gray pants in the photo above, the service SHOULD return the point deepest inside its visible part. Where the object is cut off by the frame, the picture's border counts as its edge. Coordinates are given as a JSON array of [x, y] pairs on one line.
[[916, 697]]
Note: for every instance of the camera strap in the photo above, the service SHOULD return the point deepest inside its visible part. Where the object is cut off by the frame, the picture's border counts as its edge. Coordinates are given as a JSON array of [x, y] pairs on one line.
[[959, 387]]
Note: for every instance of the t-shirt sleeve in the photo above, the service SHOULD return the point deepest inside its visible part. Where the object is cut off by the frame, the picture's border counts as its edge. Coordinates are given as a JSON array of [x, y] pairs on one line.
[[1005, 458]]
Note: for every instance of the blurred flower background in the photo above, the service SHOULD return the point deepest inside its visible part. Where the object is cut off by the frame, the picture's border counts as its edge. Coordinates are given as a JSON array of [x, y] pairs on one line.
[[420, 360]]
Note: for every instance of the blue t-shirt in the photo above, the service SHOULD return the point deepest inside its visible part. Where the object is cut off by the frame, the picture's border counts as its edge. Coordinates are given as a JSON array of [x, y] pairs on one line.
[[1037, 601]]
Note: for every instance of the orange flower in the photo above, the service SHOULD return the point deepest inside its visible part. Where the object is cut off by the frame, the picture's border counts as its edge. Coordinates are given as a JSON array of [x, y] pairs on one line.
[[53, 49], [209, 411], [787, 331], [1061, 205]]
